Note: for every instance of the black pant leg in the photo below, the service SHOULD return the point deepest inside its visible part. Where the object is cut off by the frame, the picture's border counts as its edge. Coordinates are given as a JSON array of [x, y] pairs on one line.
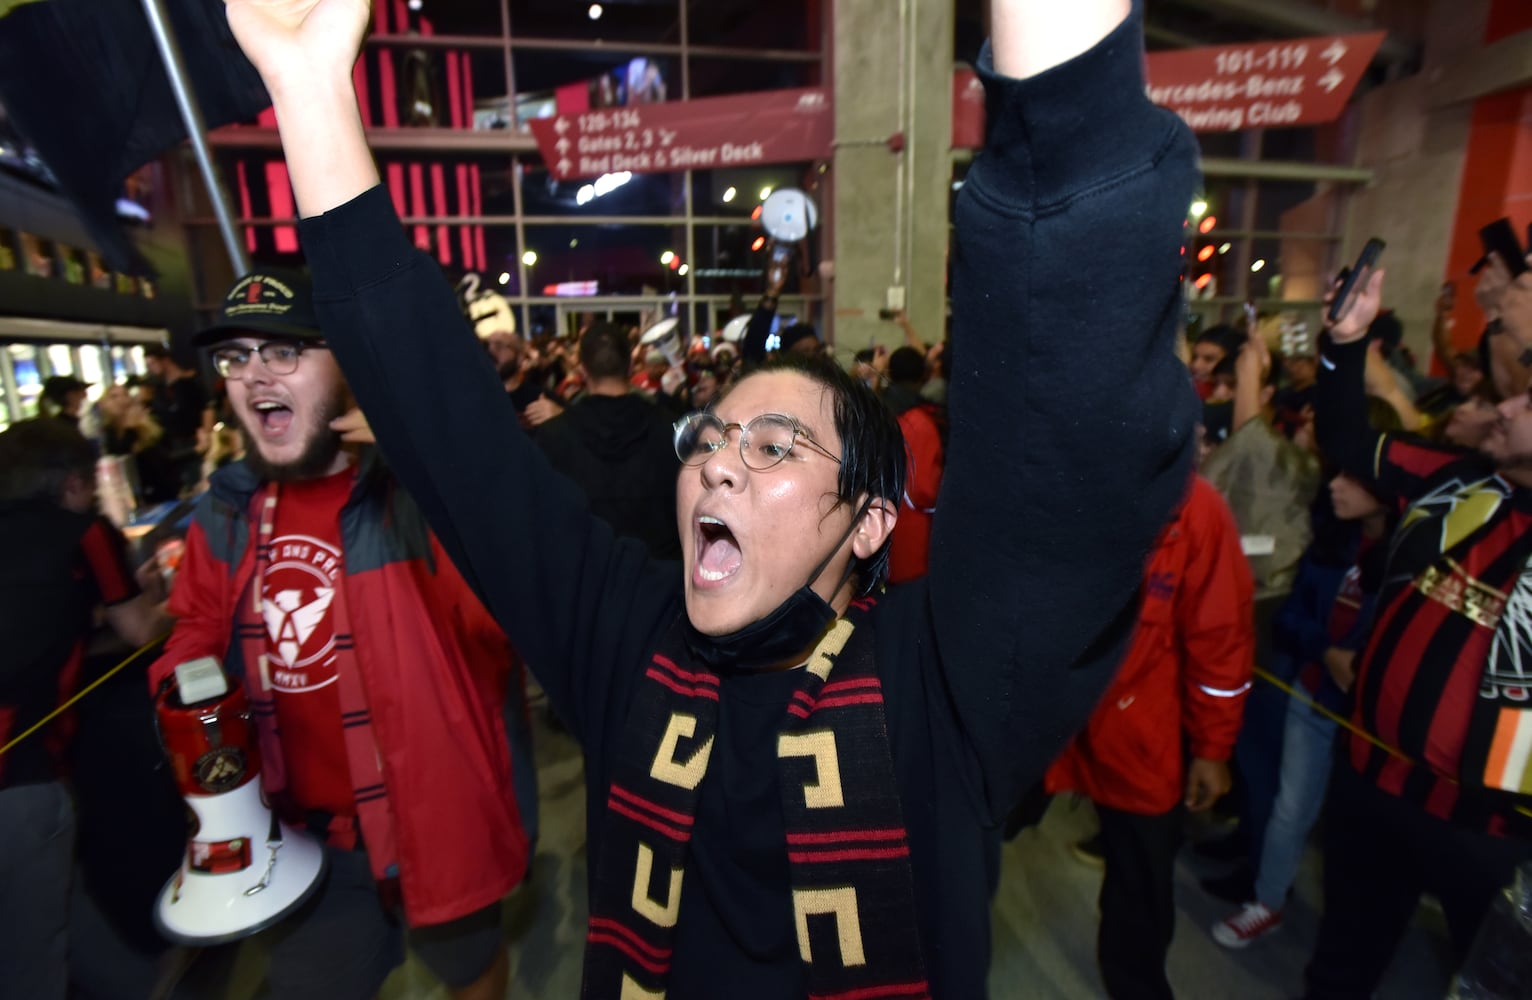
[[1372, 884], [1138, 907]]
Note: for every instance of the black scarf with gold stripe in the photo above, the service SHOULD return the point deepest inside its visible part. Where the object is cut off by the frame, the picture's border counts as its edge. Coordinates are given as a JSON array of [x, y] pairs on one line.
[[849, 856]]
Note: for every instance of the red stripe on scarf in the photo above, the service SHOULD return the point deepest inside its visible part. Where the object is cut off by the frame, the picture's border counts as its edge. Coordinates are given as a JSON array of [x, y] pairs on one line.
[[658, 968], [679, 835], [685, 675], [916, 989], [851, 685], [841, 836], [638, 800], [679, 688], [850, 854], [624, 931], [841, 702]]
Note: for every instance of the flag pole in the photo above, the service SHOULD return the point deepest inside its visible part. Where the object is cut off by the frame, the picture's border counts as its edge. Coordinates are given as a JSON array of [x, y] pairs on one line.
[[191, 117]]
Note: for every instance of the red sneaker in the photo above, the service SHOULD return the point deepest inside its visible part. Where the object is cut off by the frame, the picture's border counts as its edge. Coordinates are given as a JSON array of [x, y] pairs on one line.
[[1254, 921]]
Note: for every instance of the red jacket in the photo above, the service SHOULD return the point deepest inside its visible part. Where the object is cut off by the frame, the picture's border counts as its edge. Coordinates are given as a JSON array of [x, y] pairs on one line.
[[1183, 683], [910, 550], [433, 664]]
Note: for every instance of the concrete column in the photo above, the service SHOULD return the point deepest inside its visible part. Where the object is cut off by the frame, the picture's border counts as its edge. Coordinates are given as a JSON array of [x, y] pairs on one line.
[[893, 77], [1418, 153]]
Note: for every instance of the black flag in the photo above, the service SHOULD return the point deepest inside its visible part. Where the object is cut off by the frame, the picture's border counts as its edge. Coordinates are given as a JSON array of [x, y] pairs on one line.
[[83, 83]]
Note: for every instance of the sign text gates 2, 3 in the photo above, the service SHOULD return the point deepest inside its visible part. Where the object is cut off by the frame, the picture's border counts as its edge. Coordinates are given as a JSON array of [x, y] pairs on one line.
[[778, 126]]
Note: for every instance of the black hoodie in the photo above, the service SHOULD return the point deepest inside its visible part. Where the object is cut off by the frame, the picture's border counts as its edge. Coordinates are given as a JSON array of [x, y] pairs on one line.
[[618, 451]]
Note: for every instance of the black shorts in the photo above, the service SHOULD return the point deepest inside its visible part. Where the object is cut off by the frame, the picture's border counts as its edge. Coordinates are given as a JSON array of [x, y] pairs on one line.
[[343, 942]]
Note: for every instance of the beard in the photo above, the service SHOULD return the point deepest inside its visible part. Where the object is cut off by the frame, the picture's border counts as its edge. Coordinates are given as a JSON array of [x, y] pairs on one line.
[[320, 446]]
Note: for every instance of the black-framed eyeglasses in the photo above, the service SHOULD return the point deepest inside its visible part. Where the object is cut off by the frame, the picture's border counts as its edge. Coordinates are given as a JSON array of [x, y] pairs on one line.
[[763, 442], [279, 356]]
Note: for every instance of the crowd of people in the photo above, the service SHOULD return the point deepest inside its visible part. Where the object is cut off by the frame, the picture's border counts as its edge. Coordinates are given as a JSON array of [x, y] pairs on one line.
[[824, 632]]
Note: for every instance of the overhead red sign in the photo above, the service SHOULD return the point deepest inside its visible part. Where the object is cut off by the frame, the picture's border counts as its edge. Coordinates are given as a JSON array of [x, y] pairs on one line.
[[1226, 88], [777, 126]]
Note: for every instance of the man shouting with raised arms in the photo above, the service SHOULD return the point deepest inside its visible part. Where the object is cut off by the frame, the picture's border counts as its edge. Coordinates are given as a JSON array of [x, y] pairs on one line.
[[794, 777]]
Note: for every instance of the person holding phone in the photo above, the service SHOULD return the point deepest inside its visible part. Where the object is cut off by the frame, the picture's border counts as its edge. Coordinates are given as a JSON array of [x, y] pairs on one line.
[[1442, 679]]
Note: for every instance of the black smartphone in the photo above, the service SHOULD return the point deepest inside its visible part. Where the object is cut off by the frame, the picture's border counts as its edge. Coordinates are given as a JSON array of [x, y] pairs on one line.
[[1500, 237], [1361, 270]]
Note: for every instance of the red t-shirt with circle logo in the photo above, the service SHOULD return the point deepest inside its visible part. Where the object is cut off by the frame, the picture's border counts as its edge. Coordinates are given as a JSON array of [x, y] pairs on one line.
[[304, 570]]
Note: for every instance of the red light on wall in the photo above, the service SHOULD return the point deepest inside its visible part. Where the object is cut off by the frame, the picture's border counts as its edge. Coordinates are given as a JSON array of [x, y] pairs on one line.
[[760, 241], [1208, 224], [1205, 253], [755, 216], [1202, 282], [675, 263]]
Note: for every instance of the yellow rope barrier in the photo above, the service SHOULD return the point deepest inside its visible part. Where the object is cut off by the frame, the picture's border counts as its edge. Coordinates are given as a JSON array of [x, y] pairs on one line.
[[1347, 724], [85, 691]]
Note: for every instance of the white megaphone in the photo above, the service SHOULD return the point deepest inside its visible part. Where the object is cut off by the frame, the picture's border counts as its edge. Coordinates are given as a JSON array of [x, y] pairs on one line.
[[734, 330], [787, 215], [665, 337], [244, 869]]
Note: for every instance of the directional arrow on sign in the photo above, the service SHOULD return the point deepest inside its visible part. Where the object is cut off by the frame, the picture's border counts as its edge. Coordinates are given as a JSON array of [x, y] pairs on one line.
[[561, 126], [565, 166], [1332, 79], [562, 146], [1333, 54]]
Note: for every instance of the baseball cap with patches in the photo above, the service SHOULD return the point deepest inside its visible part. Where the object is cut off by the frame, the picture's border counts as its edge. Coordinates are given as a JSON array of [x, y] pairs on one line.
[[271, 302]]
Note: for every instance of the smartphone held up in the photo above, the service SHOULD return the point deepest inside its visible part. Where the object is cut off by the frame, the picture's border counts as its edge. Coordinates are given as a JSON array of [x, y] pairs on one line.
[[1353, 278]]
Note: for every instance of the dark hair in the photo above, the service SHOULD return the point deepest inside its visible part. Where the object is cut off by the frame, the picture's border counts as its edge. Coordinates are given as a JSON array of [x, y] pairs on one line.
[[1223, 335], [38, 456], [795, 332], [604, 351], [159, 351], [872, 459], [906, 366]]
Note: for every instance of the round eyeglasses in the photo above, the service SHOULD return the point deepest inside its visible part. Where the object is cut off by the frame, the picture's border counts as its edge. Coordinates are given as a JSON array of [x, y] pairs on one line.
[[763, 442], [279, 356]]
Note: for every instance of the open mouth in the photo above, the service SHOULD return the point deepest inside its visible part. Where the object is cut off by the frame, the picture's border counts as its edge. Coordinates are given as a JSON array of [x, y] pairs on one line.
[[718, 553], [274, 418]]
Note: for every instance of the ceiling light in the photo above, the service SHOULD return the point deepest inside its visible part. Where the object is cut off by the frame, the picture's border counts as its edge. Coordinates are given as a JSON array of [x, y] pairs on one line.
[[1257, 265], [683, 269], [596, 12], [765, 193], [505, 277], [529, 258], [1198, 207], [729, 194], [667, 257]]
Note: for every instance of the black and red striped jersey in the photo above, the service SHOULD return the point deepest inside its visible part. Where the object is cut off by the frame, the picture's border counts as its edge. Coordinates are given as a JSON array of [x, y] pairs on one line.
[[1449, 662], [1445, 678]]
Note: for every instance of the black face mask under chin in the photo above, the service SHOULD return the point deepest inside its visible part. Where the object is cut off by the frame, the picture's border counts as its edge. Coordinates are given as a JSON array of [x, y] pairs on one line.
[[791, 630]]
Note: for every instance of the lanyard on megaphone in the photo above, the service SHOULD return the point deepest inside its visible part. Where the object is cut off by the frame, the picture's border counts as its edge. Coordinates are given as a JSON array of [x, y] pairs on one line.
[[87, 689]]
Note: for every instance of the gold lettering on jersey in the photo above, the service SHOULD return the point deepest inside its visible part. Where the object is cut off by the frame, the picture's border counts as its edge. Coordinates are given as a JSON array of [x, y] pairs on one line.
[[667, 767], [825, 791], [1457, 591], [662, 914], [829, 648], [841, 902], [632, 991]]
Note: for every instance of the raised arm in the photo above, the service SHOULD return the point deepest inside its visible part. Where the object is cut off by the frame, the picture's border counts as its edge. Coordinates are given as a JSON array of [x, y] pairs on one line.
[[1070, 418], [572, 598]]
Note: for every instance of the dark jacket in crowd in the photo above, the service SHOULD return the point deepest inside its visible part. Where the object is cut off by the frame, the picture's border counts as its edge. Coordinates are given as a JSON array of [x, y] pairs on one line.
[[619, 452], [989, 664]]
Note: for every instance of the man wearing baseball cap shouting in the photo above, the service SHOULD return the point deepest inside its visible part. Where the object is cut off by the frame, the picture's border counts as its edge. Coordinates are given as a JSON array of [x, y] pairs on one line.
[[375, 675]]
